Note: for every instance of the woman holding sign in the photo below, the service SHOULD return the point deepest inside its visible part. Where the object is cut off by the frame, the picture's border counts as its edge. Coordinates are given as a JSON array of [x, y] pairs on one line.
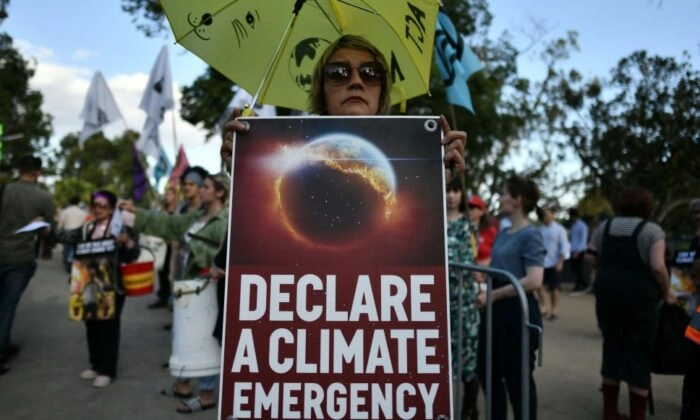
[[97, 292]]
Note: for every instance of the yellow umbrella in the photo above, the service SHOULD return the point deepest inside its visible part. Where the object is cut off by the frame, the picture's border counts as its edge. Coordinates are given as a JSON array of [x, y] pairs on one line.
[[270, 46]]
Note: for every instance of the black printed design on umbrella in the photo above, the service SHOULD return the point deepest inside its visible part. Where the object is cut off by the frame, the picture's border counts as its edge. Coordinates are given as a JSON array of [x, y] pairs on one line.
[[198, 24]]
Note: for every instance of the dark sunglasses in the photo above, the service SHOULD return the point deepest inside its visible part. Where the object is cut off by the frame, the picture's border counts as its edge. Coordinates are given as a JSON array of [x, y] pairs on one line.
[[100, 205], [339, 74]]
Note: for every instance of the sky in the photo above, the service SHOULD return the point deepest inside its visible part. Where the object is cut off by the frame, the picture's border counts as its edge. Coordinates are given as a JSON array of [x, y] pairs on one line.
[[68, 44]]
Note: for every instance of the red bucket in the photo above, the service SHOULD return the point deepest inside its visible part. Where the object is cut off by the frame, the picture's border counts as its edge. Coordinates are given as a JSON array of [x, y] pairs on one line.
[[138, 278]]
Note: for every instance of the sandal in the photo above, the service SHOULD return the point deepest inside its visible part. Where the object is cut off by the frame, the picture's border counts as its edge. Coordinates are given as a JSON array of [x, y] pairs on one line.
[[173, 392], [193, 405]]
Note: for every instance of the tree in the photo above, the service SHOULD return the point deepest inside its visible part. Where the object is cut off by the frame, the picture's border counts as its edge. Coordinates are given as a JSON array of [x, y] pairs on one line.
[[640, 126], [99, 164], [20, 107]]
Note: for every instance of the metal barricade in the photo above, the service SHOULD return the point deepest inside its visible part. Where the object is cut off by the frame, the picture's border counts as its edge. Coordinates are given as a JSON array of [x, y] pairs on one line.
[[525, 341]]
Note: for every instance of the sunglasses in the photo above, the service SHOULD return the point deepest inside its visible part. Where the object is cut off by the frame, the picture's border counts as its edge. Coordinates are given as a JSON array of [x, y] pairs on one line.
[[340, 74], [100, 205]]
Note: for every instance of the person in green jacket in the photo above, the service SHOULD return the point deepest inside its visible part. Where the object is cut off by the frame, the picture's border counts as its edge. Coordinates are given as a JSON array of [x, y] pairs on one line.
[[201, 233]]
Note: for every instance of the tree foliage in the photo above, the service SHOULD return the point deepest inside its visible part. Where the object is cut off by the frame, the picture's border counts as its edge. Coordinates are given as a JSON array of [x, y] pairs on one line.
[[99, 164], [20, 107], [639, 126]]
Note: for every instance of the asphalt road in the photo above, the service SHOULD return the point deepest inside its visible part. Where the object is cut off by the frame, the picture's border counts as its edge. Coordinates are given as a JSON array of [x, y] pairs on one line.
[[43, 382]]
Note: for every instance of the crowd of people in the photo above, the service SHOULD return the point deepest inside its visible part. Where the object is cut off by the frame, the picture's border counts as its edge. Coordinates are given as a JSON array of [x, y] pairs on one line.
[[350, 79]]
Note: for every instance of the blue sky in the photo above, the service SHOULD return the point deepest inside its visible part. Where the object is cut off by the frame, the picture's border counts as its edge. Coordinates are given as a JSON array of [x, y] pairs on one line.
[[71, 41]]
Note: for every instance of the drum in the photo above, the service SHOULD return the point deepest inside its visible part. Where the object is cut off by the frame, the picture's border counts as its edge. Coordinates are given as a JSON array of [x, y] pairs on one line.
[[195, 352], [138, 278]]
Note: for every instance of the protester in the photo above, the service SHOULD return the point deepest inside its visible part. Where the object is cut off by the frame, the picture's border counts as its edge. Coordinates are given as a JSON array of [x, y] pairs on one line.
[[520, 251], [691, 378], [557, 245], [103, 334], [579, 243], [487, 230], [200, 234], [71, 217], [628, 251], [21, 202], [461, 248]]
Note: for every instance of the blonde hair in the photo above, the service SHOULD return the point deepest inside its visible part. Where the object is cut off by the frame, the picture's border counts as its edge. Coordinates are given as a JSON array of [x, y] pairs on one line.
[[317, 98]]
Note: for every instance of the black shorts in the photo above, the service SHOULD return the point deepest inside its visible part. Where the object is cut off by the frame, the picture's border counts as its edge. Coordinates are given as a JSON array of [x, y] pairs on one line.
[[552, 278]]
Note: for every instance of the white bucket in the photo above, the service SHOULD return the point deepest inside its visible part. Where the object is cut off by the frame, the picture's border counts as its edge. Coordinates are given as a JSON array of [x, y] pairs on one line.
[[195, 352]]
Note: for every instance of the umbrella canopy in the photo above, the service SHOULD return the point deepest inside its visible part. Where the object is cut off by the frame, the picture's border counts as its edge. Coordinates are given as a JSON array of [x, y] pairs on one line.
[[270, 47]]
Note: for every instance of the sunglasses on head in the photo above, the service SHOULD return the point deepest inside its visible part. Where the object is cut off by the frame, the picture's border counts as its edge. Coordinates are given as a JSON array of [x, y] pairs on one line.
[[339, 74]]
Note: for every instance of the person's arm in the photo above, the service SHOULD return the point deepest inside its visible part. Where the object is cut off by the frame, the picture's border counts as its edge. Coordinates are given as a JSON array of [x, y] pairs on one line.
[[564, 249], [129, 248], [657, 263]]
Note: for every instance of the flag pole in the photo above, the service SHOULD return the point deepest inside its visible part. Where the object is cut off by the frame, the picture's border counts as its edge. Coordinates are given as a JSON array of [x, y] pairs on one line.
[[174, 131]]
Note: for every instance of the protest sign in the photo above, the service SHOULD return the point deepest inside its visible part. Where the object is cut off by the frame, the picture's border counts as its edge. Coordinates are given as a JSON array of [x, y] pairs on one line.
[[92, 280], [336, 301]]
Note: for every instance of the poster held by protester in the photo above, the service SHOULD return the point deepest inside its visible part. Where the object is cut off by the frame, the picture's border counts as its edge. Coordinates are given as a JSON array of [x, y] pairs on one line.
[[337, 302], [92, 280]]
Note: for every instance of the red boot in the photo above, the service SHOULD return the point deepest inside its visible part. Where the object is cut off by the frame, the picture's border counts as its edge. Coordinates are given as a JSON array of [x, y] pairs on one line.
[[610, 394], [638, 406]]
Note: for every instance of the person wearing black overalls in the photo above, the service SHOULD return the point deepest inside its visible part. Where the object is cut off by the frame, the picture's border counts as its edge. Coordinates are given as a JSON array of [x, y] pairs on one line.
[[632, 279]]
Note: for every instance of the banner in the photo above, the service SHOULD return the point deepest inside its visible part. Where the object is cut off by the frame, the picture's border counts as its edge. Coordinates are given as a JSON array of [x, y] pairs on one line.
[[92, 280], [455, 60], [337, 298], [181, 165], [157, 98], [99, 109]]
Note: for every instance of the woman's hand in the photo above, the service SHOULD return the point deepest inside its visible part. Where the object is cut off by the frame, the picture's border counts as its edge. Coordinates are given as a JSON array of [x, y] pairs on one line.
[[216, 273], [127, 205], [454, 143], [232, 125], [670, 298], [481, 300]]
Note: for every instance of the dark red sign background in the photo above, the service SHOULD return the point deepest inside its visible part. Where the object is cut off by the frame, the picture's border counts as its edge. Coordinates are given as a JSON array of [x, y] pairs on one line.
[[269, 237]]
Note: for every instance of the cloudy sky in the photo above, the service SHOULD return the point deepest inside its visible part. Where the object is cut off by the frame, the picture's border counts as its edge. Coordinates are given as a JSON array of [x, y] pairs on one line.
[[72, 39]]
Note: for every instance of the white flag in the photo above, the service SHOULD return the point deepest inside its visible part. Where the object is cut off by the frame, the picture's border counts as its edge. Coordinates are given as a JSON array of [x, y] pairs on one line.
[[99, 109], [157, 98], [149, 140]]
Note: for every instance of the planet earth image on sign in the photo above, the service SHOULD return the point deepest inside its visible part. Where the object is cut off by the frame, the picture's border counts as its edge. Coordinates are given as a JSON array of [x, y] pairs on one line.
[[338, 193], [303, 59]]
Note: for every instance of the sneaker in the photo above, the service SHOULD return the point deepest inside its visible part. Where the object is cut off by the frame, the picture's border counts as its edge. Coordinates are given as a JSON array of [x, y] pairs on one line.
[[88, 374], [102, 381]]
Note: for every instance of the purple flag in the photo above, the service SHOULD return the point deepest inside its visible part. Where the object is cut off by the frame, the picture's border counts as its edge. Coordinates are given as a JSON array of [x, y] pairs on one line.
[[140, 182]]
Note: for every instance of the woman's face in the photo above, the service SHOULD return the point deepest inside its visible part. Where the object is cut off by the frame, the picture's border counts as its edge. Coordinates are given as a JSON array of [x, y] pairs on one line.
[[475, 213], [453, 198], [355, 97], [507, 202], [207, 193], [100, 209]]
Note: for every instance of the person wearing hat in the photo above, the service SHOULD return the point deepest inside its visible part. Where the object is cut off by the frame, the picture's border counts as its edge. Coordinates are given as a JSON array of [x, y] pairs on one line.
[[479, 217], [201, 234]]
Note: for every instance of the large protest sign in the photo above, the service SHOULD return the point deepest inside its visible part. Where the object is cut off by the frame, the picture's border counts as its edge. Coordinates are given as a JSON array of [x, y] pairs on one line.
[[336, 301], [92, 280]]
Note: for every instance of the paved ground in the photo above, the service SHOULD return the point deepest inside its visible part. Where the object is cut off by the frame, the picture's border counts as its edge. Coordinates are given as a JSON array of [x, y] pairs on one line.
[[43, 382]]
